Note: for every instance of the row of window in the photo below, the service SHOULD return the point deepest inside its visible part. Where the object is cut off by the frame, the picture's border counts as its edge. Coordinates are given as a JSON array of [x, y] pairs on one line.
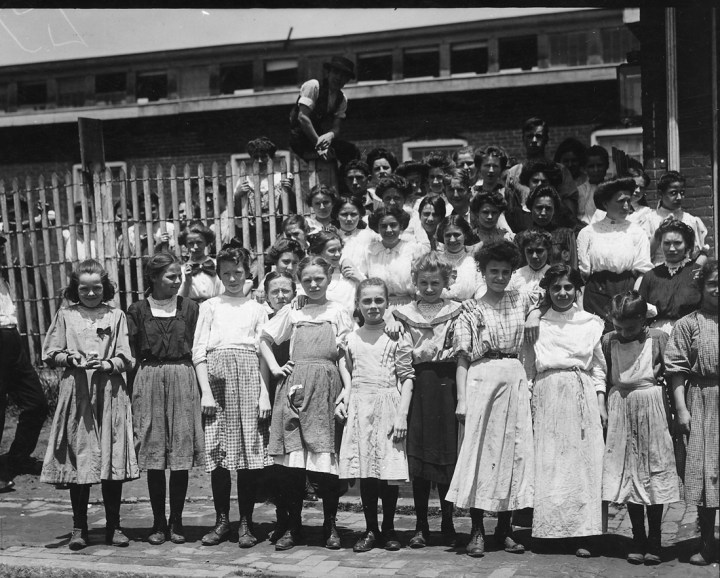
[[514, 53]]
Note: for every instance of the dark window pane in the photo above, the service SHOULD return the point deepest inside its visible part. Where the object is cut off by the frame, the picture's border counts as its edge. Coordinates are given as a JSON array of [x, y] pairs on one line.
[[281, 73], [110, 82], [468, 59], [568, 49], [151, 85], [32, 94], [71, 92], [617, 42], [425, 62], [375, 66], [236, 77], [518, 52]]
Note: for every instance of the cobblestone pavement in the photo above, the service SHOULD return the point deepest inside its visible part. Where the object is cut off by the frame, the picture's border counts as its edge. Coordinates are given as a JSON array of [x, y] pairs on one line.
[[34, 533]]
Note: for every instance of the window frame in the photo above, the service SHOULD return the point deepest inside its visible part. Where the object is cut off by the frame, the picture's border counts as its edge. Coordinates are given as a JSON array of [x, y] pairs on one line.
[[433, 144]]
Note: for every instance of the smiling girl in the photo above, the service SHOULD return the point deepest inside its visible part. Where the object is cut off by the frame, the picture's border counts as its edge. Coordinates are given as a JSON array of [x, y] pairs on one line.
[[91, 438], [343, 276], [199, 279]]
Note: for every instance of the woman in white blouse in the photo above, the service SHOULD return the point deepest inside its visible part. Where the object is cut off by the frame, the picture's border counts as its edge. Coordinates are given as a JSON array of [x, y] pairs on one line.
[[467, 282], [568, 404], [613, 253], [391, 257]]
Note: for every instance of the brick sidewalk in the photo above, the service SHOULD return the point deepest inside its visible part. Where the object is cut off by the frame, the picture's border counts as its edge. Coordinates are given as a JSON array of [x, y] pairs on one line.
[[34, 535]]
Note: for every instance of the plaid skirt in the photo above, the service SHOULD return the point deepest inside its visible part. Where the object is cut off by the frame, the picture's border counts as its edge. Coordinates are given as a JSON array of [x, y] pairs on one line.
[[701, 462], [235, 438]]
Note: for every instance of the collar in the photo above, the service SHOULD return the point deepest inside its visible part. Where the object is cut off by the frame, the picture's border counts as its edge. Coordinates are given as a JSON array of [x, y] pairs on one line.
[[675, 269], [640, 338]]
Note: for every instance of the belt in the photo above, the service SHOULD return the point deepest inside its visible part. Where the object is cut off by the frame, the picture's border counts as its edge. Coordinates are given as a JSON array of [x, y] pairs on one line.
[[493, 354]]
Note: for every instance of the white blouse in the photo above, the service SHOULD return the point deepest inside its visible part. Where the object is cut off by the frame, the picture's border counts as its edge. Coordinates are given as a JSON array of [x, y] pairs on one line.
[[342, 291], [695, 223], [527, 279], [355, 245], [392, 265], [467, 281], [615, 246], [571, 340], [227, 323]]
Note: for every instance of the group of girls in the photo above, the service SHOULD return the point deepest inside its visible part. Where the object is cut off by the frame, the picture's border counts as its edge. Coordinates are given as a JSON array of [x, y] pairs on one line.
[[463, 390]]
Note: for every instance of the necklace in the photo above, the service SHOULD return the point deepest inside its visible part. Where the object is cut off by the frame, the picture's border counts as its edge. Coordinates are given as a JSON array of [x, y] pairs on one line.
[[674, 269], [162, 302], [430, 310]]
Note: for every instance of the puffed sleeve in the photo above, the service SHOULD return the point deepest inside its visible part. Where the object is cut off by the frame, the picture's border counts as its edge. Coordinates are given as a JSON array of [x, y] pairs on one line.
[[262, 321], [344, 326], [465, 334], [598, 368], [54, 351], [122, 359], [641, 262], [681, 350], [309, 93], [404, 358], [583, 251], [279, 328], [201, 339]]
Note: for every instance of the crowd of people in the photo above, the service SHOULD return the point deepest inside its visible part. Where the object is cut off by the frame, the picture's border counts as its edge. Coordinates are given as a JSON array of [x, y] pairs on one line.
[[525, 336]]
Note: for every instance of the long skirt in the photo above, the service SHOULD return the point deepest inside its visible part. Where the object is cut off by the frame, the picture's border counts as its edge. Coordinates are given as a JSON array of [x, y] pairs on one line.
[[701, 465], [639, 464], [235, 437], [91, 437], [368, 449], [166, 416], [432, 426], [496, 464], [568, 455]]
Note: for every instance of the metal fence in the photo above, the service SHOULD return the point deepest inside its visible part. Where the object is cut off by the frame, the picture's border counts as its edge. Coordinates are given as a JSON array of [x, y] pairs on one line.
[[52, 223]]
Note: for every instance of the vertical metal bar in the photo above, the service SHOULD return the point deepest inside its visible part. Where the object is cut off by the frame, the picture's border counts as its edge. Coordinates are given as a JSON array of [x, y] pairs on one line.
[[715, 128], [673, 134]]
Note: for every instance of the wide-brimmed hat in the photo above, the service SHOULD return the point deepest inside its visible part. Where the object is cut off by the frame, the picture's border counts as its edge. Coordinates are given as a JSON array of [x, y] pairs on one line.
[[342, 64]]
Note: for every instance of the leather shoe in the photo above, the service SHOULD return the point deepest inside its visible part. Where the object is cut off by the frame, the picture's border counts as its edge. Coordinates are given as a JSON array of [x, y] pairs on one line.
[[219, 533], [158, 535], [392, 543], [366, 543], [245, 535], [6, 485], [287, 541], [450, 537], [476, 546], [419, 540], [79, 539], [332, 538], [177, 532], [116, 537]]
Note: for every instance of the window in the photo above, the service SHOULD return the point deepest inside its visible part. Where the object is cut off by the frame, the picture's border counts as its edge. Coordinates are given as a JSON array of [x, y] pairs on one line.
[[111, 88], [518, 53], [115, 167], [469, 58], [3, 97], [71, 92], [32, 95], [375, 66], [416, 150], [568, 49], [628, 140], [281, 72], [630, 83], [616, 43], [236, 77], [421, 62], [151, 86]]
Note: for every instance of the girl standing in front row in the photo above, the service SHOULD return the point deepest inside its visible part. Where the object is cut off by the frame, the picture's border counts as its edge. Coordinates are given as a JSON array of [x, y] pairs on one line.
[[166, 398], [373, 445], [91, 439], [639, 466], [304, 437], [432, 430], [235, 397]]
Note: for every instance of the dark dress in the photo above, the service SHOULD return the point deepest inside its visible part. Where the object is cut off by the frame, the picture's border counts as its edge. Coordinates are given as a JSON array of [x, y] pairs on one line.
[[166, 396], [674, 296]]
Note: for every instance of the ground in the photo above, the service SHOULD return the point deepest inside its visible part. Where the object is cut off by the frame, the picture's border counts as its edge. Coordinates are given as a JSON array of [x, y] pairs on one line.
[[35, 523]]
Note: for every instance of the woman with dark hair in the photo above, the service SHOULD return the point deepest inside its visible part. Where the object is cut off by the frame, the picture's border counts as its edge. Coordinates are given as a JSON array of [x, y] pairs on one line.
[[485, 210], [490, 164], [166, 397], [199, 278], [430, 212], [495, 468], [382, 163], [296, 227], [390, 257], [691, 364], [568, 405], [322, 200], [454, 237], [670, 287], [439, 168], [642, 214], [416, 173], [613, 253], [344, 278], [348, 215], [571, 154], [534, 175], [597, 163], [536, 247]]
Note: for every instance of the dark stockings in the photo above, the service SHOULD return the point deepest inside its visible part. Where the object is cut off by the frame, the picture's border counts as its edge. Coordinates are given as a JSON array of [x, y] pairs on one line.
[[221, 484], [637, 519], [178, 491], [476, 517], [112, 496], [421, 497], [706, 518], [79, 498], [289, 497], [247, 481]]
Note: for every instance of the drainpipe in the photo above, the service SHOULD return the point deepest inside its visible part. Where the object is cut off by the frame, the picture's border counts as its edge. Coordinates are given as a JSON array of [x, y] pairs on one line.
[[714, 101], [673, 137]]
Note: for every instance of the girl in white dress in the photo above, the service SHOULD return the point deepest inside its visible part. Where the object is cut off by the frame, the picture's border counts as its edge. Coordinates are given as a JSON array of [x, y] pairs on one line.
[[454, 234], [373, 445]]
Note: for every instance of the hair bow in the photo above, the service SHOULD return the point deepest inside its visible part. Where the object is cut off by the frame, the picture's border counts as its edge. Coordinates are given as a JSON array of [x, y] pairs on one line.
[[234, 243], [207, 267], [103, 332]]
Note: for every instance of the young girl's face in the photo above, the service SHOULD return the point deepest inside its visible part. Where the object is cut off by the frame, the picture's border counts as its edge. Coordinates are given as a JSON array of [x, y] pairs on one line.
[[349, 217], [314, 282], [543, 211], [429, 218], [629, 328], [454, 239], [280, 293], [673, 246], [392, 198], [497, 275], [322, 204], [233, 278], [639, 191], [287, 263], [196, 245], [297, 234], [436, 180], [389, 229], [167, 283], [457, 195], [488, 216], [673, 196], [562, 294], [90, 289], [710, 293], [430, 285], [381, 168], [372, 304], [536, 255], [490, 171], [596, 168], [332, 252]]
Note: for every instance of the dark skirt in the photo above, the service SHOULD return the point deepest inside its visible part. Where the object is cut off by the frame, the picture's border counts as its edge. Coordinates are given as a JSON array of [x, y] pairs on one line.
[[601, 287], [432, 439]]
